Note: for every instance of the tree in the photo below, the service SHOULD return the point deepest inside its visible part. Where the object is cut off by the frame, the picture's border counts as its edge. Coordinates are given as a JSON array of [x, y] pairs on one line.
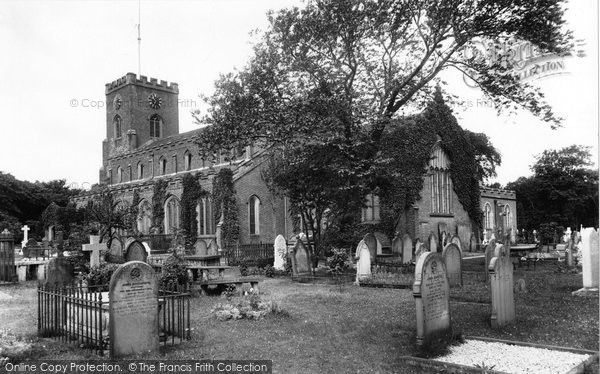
[[486, 155], [563, 189], [108, 216]]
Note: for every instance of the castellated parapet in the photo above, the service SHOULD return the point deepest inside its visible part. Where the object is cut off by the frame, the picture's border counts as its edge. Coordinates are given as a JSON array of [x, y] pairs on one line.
[[131, 78], [498, 193]]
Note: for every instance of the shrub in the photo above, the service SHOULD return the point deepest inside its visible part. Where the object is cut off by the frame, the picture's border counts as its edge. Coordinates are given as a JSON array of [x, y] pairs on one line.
[[338, 262], [250, 307], [243, 268], [173, 273], [100, 275], [269, 271]]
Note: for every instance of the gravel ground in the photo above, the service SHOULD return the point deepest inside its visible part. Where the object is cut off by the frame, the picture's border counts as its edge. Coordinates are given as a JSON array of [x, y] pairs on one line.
[[512, 358]]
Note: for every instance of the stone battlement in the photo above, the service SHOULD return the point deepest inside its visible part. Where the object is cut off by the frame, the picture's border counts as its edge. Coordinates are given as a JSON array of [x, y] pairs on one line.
[[131, 78], [498, 193]]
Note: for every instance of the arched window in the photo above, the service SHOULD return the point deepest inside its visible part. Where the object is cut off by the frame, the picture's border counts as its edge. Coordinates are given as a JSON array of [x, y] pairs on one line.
[[140, 170], [117, 126], [144, 218], [119, 175], [187, 160], [440, 180], [155, 126], [204, 216], [172, 212], [254, 214], [507, 217], [370, 213], [162, 166], [487, 216]]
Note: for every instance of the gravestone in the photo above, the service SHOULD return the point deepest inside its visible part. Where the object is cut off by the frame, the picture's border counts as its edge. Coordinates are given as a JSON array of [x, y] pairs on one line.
[[456, 240], [569, 252], [520, 286], [432, 292], [407, 249], [200, 248], [363, 263], [397, 246], [419, 249], [300, 259], [279, 252], [371, 242], [133, 310], [489, 253], [213, 248], [589, 257], [94, 248], [453, 259], [384, 246], [31, 249], [25, 230], [444, 239], [472, 243], [116, 248], [59, 271], [136, 251], [501, 285], [432, 243]]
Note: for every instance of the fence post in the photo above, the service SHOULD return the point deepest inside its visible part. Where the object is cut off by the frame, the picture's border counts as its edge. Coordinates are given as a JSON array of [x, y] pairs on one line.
[[7, 257]]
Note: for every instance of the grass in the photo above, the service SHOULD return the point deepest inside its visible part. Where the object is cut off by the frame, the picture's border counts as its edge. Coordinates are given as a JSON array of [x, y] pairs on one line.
[[352, 330]]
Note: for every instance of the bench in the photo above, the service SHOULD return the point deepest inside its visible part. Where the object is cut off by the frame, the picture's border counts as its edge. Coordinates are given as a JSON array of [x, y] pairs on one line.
[[223, 281]]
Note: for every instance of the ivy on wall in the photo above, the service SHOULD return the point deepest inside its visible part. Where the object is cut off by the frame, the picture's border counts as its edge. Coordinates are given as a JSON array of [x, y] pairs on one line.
[[134, 210], [158, 209], [407, 150], [192, 191], [224, 201]]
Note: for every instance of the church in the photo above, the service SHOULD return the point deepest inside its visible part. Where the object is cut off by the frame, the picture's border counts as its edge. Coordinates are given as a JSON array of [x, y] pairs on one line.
[[143, 145]]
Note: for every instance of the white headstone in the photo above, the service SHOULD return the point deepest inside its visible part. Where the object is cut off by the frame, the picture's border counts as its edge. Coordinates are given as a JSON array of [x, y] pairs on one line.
[[280, 252], [589, 253], [432, 293], [407, 249], [432, 242], [419, 249], [501, 284], [456, 240], [94, 247], [363, 263]]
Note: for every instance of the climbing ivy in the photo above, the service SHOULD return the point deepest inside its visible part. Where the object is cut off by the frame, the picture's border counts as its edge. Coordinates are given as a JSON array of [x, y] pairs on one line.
[[134, 211], [158, 209], [406, 150], [192, 191], [224, 200]]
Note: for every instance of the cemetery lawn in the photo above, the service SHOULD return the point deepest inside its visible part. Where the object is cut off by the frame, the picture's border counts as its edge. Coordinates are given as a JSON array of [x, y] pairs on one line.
[[325, 329]]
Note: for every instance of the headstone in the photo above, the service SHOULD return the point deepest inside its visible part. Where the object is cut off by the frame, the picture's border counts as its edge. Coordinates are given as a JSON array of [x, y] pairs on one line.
[[25, 230], [456, 240], [213, 248], [569, 252], [501, 284], [31, 249], [200, 248], [397, 246], [279, 252], [489, 253], [136, 252], [371, 242], [133, 310], [94, 248], [432, 292], [442, 228], [419, 249], [472, 243], [363, 263], [407, 249], [116, 247], [520, 286], [300, 259], [432, 243], [589, 257], [444, 239], [59, 271], [384, 245], [453, 259]]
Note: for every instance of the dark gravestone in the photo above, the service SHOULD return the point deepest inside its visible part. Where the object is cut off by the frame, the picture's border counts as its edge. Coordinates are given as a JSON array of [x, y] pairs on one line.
[[384, 246], [472, 243], [432, 292], [133, 310], [300, 259], [397, 246], [407, 249], [453, 259], [371, 242], [59, 271], [136, 252], [116, 248], [456, 240]]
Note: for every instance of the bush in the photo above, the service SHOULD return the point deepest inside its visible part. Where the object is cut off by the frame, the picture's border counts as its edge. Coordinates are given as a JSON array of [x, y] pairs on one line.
[[100, 275], [243, 268], [338, 262], [250, 307], [173, 273], [550, 232], [269, 271]]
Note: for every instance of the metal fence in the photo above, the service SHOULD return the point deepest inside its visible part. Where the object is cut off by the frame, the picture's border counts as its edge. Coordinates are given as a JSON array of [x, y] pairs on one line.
[[7, 257], [80, 315], [250, 254]]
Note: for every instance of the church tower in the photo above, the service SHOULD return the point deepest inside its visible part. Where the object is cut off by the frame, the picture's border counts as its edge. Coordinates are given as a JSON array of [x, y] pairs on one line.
[[138, 111]]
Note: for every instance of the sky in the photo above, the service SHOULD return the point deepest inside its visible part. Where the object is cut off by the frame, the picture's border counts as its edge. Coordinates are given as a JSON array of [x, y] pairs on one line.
[[58, 55]]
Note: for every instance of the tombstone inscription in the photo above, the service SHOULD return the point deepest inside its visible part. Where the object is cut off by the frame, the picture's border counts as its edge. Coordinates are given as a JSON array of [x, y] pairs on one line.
[[279, 252]]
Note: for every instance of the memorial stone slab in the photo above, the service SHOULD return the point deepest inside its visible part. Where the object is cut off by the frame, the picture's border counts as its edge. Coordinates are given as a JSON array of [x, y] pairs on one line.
[[444, 239], [432, 243], [456, 240], [472, 243], [589, 257], [200, 248], [363, 263], [397, 246], [384, 245], [133, 310], [371, 242], [279, 252], [59, 271], [453, 259], [431, 292], [300, 259], [407, 249], [116, 247], [419, 249], [502, 288], [136, 252]]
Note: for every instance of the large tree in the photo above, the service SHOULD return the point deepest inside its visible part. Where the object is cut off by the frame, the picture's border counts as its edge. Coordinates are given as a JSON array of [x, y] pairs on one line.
[[563, 189], [338, 73]]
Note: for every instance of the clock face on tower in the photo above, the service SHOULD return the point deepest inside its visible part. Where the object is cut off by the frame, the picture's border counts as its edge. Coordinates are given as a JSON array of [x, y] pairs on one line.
[[154, 101]]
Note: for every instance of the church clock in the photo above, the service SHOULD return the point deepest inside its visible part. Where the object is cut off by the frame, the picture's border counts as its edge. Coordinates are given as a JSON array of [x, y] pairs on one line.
[[154, 101]]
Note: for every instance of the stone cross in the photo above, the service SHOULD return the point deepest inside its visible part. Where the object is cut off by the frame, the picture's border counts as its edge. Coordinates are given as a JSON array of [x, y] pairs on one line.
[[25, 230], [94, 247]]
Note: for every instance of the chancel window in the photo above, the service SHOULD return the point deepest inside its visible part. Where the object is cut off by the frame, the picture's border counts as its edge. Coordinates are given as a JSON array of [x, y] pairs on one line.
[[172, 212], [144, 218], [119, 175], [440, 181], [254, 215], [487, 216], [370, 213], [507, 217], [204, 216]]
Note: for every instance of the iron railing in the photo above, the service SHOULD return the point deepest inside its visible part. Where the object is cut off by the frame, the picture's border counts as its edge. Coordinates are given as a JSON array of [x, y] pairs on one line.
[[251, 254]]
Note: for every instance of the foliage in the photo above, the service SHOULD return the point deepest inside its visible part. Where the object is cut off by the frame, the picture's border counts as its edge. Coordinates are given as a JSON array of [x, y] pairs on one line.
[[158, 200], [134, 211], [173, 272], [269, 271], [100, 275], [250, 307], [563, 189], [225, 204], [192, 191], [550, 232], [107, 215], [338, 262], [486, 155]]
